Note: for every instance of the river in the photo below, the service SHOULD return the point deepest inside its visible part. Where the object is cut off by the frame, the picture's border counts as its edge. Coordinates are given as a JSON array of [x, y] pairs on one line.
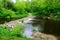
[[40, 25]]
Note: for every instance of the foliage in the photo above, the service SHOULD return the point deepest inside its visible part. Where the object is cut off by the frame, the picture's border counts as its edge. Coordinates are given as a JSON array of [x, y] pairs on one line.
[[45, 6], [1, 3], [5, 13], [15, 34], [18, 29], [4, 31], [28, 7], [13, 10], [9, 14]]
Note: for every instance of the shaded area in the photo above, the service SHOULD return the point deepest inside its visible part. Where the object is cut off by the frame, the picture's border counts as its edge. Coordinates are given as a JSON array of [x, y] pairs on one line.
[[52, 27]]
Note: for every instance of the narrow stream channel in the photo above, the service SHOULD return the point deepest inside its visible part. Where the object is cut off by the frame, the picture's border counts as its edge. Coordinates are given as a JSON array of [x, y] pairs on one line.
[[39, 25], [30, 24]]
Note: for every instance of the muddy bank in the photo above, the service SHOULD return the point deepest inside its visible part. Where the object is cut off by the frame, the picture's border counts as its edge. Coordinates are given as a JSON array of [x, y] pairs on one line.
[[42, 36]]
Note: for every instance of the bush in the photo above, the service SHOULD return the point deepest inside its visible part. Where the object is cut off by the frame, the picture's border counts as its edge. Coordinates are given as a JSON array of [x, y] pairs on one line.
[[15, 34], [45, 6], [18, 30], [4, 31], [11, 15], [14, 10], [5, 13]]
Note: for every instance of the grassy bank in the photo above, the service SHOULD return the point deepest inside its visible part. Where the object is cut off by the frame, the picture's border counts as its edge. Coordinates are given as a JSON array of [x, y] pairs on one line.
[[15, 34]]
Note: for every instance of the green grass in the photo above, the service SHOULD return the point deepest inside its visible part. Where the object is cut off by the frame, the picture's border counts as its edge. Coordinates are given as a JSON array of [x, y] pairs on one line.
[[15, 34]]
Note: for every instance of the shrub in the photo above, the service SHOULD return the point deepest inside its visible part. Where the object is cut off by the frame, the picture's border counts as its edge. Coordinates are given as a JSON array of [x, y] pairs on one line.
[[4, 31], [15, 34], [18, 30], [45, 6], [5, 13]]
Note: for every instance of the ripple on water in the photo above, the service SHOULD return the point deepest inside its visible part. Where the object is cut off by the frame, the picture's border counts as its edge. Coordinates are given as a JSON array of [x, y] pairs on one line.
[[28, 30]]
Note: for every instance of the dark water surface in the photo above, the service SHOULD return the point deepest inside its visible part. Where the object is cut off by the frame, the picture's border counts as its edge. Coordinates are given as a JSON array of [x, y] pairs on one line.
[[42, 25], [48, 26]]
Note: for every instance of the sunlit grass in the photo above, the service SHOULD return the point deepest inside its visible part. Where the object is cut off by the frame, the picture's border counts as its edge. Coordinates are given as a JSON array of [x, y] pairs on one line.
[[15, 34]]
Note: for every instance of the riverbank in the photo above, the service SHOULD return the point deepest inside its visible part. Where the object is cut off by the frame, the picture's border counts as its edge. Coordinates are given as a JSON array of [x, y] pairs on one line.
[[37, 35], [42, 36], [10, 24]]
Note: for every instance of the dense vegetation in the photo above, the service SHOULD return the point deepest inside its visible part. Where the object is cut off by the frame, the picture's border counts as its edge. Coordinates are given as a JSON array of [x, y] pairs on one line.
[[12, 10], [44, 6], [21, 9], [47, 8], [15, 34]]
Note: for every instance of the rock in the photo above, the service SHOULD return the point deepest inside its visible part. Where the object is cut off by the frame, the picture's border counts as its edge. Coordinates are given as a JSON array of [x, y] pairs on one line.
[[42, 36], [51, 37]]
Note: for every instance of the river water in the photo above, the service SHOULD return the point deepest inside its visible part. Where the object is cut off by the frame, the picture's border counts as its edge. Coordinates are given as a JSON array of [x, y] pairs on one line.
[[30, 24], [40, 25]]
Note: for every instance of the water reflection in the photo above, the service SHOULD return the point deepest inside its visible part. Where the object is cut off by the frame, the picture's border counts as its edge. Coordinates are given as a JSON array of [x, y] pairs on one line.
[[31, 24], [28, 30], [45, 26]]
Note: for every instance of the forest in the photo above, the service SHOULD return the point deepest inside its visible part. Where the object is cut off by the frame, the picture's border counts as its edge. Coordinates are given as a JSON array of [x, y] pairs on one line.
[[11, 10]]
